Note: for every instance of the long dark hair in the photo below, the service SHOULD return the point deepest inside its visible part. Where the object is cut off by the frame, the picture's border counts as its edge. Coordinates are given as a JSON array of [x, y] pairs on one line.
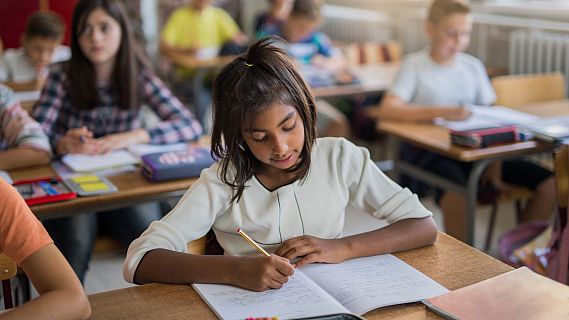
[[247, 86], [129, 60]]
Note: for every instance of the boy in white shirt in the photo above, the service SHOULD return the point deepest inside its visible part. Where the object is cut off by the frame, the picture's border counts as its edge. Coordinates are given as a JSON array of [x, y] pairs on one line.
[[437, 82], [25, 68]]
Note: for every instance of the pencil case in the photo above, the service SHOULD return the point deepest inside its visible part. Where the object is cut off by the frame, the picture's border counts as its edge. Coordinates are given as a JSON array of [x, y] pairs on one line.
[[43, 190], [176, 164], [481, 138]]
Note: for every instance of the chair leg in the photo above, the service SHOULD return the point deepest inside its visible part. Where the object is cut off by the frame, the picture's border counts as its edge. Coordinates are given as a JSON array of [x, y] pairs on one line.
[[491, 224], [519, 210], [7, 292]]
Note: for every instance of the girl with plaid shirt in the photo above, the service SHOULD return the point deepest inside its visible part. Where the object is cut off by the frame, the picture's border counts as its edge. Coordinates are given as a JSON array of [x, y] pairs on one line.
[[92, 105]]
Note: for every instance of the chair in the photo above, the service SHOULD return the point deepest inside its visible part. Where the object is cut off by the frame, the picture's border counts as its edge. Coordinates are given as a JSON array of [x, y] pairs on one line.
[[372, 52], [8, 270], [514, 91], [517, 90]]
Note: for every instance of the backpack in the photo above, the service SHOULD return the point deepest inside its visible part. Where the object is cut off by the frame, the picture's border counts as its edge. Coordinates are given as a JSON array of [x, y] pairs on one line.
[[517, 247]]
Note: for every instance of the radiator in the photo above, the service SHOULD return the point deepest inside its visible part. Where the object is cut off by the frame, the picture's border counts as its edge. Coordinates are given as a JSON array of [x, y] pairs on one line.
[[344, 24], [534, 51]]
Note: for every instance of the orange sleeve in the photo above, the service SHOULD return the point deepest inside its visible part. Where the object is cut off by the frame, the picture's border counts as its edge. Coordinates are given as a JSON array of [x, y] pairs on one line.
[[21, 234]]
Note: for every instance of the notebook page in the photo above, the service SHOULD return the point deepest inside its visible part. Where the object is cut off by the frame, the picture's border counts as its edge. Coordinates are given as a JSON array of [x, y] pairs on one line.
[[84, 162], [299, 297], [364, 284]]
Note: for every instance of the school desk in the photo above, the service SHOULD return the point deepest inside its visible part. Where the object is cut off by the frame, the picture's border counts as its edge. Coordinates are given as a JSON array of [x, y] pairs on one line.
[[437, 139], [133, 189], [452, 263], [373, 78]]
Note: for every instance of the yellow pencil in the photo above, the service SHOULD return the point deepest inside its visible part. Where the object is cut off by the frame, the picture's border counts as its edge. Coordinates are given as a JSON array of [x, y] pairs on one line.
[[252, 242]]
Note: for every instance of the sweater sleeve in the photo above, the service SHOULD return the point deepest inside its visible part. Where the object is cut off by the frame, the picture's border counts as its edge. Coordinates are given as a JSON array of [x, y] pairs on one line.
[[178, 124]]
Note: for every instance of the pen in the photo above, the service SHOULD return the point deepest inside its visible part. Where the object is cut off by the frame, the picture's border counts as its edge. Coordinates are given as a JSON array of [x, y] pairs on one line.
[[252, 242]]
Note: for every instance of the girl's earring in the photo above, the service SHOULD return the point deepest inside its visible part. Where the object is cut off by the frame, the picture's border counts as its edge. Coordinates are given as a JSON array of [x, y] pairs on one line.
[[241, 147]]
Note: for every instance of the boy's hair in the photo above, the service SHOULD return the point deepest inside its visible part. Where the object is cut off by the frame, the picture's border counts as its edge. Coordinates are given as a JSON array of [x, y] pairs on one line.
[[441, 9], [129, 61], [45, 24], [262, 77], [307, 9]]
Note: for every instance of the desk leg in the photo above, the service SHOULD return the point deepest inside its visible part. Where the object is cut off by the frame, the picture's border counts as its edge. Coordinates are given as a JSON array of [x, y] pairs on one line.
[[472, 197]]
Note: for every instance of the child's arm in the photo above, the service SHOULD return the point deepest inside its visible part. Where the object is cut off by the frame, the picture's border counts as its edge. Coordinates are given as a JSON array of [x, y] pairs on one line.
[[394, 108], [256, 272], [61, 293], [21, 157], [393, 238]]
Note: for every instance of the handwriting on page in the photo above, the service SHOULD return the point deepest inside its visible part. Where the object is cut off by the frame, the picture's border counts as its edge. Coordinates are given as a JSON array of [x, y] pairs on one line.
[[379, 281], [299, 297]]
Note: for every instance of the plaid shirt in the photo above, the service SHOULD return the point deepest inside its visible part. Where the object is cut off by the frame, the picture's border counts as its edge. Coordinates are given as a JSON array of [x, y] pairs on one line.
[[57, 114]]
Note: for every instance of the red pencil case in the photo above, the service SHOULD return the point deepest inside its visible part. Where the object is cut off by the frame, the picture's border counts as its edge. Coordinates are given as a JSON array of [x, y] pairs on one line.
[[43, 190], [481, 138]]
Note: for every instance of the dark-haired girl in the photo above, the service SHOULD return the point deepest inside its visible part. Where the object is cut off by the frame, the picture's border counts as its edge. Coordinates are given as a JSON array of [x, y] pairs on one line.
[[280, 184], [92, 105]]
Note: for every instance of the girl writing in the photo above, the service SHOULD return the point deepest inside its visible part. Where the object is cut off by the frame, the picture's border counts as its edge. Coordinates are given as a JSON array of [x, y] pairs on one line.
[[275, 180]]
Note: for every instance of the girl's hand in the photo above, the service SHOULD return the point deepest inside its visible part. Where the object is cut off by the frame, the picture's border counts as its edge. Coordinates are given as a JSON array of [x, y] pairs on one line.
[[121, 140], [78, 140], [260, 273], [310, 249]]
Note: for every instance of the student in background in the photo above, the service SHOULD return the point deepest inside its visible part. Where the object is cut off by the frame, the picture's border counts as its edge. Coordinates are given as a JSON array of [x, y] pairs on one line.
[[26, 68], [279, 183], [314, 54], [277, 14], [437, 82], [24, 240], [22, 141], [92, 105], [200, 29]]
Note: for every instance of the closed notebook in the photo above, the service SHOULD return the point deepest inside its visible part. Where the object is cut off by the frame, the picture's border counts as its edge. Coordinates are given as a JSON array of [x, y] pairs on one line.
[[518, 294], [176, 164]]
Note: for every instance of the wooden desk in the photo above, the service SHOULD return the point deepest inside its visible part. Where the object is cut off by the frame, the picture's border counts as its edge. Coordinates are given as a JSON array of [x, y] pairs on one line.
[[133, 189], [374, 78], [452, 263], [437, 139]]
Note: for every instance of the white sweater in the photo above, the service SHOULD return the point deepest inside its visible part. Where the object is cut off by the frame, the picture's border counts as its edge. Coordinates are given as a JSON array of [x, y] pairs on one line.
[[340, 174]]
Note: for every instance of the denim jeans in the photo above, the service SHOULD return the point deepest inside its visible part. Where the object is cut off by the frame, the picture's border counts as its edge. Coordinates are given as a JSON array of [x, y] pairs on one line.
[[75, 235]]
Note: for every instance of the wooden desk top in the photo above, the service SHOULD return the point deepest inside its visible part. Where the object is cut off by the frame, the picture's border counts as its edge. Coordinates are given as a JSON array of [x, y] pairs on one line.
[[191, 62], [133, 188], [437, 139], [450, 262], [373, 78]]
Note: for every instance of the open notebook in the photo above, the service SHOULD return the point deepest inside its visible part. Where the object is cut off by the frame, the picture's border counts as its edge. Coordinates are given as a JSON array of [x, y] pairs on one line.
[[88, 163], [355, 286]]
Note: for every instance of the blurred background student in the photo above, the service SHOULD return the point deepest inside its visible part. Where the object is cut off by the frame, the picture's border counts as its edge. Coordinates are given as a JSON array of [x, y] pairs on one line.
[[92, 105], [315, 55], [25, 68], [201, 31], [276, 15], [427, 87], [22, 141]]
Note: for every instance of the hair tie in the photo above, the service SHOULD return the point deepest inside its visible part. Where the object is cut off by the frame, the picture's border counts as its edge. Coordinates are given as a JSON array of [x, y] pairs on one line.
[[248, 64]]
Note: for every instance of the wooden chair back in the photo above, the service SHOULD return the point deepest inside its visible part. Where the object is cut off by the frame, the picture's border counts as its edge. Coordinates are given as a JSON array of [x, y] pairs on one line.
[[8, 270], [517, 90], [372, 52]]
